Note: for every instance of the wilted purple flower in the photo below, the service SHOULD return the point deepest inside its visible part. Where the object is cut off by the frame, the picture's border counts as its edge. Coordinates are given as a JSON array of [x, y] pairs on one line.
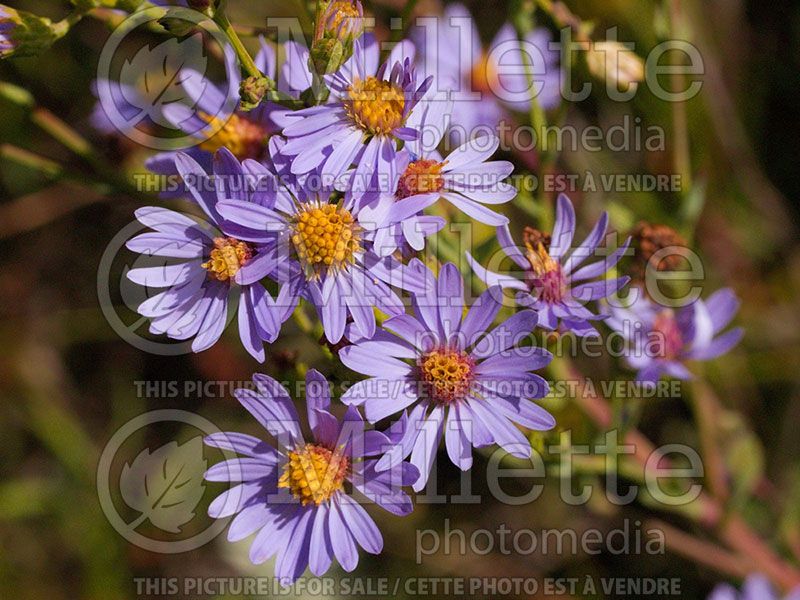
[[219, 265], [371, 111], [459, 381], [756, 587], [661, 339], [452, 53], [326, 249], [294, 498], [555, 281]]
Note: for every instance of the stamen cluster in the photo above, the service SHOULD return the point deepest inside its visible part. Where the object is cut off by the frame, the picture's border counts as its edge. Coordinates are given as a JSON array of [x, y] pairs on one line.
[[376, 106], [447, 375], [325, 236], [228, 256], [314, 473], [421, 177]]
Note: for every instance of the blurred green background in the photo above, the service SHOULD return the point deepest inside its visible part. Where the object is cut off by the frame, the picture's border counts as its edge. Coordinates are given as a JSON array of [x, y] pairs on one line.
[[67, 378]]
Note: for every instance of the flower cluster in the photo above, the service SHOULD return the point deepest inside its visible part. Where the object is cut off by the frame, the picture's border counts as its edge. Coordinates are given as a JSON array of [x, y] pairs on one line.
[[331, 205]]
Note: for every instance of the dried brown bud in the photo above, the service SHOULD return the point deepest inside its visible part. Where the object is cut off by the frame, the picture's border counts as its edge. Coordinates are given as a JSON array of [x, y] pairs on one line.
[[658, 247]]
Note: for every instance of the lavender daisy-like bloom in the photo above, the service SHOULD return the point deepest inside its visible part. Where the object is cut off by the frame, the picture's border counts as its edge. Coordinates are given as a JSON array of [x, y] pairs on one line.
[[245, 134], [756, 587], [217, 267], [298, 499], [556, 282], [452, 52], [325, 250], [370, 113], [459, 381], [661, 339], [465, 179]]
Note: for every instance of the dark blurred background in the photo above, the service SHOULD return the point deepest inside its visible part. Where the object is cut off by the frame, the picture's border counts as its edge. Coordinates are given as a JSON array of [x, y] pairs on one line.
[[67, 379]]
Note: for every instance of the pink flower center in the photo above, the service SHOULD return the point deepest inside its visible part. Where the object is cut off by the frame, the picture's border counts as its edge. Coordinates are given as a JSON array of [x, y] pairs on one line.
[[666, 336]]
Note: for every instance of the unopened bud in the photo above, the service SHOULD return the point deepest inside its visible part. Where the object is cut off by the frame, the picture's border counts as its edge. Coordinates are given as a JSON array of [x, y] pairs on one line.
[[657, 246], [341, 23], [24, 34], [252, 91], [326, 56], [343, 20], [613, 61], [180, 28]]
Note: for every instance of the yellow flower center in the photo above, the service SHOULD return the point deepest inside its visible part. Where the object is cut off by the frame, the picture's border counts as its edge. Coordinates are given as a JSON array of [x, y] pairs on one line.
[[484, 75], [228, 256], [447, 375], [241, 136], [325, 237], [314, 473], [421, 177], [376, 106]]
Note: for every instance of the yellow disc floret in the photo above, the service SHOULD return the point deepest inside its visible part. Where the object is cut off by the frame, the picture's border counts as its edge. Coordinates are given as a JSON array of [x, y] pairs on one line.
[[314, 473], [447, 375], [421, 177], [376, 106], [244, 138], [325, 237], [228, 256]]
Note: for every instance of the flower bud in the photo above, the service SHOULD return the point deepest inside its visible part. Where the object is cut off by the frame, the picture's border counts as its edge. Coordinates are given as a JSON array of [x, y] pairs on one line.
[[24, 34], [340, 24], [343, 20], [178, 27], [613, 61], [657, 247], [252, 91], [326, 56]]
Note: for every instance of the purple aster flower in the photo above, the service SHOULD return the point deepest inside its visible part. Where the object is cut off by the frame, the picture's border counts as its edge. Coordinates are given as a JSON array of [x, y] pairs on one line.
[[219, 262], [245, 133], [556, 282], [465, 179], [299, 499], [455, 378], [326, 249], [756, 587], [370, 113], [661, 339], [451, 52]]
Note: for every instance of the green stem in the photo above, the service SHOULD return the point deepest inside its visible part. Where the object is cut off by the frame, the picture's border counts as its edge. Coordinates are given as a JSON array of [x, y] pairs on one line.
[[246, 61]]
